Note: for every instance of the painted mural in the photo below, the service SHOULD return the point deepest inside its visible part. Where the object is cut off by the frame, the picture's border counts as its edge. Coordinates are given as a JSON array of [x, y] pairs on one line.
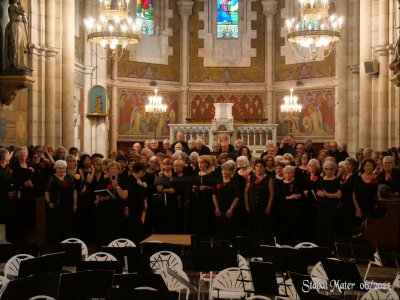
[[245, 106], [170, 72], [135, 123], [283, 71], [317, 117], [254, 73]]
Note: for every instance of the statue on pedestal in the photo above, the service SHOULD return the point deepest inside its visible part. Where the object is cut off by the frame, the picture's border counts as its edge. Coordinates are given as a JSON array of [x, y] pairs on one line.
[[16, 37]]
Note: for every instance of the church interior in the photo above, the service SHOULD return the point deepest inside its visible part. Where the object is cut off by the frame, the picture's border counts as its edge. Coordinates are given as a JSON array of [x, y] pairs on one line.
[[256, 138]]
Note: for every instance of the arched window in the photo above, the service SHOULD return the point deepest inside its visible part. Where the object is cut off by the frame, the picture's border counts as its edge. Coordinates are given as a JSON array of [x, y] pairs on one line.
[[145, 14], [227, 19]]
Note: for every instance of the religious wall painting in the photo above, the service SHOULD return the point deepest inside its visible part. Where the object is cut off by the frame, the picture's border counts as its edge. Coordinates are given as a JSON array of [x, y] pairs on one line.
[[169, 72], [145, 15], [253, 74], [134, 122], [317, 118], [245, 106], [227, 19], [296, 71], [97, 101]]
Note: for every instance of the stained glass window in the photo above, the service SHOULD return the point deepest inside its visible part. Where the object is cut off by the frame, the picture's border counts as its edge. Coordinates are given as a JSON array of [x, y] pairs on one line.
[[145, 14], [227, 19]]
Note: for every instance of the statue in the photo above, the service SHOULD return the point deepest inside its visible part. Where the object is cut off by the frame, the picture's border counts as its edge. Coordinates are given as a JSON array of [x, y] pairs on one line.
[[16, 37], [98, 105], [395, 64]]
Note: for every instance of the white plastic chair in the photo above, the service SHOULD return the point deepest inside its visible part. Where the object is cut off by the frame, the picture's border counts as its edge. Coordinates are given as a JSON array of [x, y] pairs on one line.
[[11, 268], [377, 262], [258, 297], [172, 283], [228, 284], [3, 284], [306, 245], [41, 297], [379, 295], [120, 243], [101, 256], [396, 281], [83, 245], [165, 259], [288, 291]]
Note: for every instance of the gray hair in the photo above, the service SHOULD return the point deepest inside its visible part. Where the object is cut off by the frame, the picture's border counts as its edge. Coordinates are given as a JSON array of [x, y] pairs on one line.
[[314, 162], [289, 168], [330, 163], [60, 164], [245, 160], [388, 158], [3, 153], [230, 165], [194, 155]]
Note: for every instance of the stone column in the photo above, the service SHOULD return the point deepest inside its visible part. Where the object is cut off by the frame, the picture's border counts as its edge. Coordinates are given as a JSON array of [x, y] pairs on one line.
[[341, 97], [113, 133], [269, 8], [365, 79], [50, 66], [185, 8], [68, 72], [355, 71], [382, 52]]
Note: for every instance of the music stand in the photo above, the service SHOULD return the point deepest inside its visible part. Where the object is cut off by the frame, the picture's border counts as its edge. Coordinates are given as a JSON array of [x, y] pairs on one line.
[[122, 253], [284, 258], [390, 256], [27, 287], [314, 255], [128, 294], [73, 252], [114, 266], [264, 278], [85, 284], [42, 264], [343, 271], [148, 249], [214, 259], [131, 280]]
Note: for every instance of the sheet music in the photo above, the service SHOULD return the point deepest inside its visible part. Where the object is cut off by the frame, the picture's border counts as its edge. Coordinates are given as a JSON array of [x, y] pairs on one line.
[[105, 191]]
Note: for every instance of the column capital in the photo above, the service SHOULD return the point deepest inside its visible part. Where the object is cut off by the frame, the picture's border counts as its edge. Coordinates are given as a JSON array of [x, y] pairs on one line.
[[355, 69], [185, 7], [270, 7], [382, 50]]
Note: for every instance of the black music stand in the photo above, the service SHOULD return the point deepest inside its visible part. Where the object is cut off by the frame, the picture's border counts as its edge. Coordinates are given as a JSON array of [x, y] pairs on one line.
[[131, 280], [343, 271], [313, 255], [73, 252], [284, 258], [128, 294], [42, 264], [264, 278], [114, 266], [122, 253], [27, 287], [148, 249], [213, 259], [85, 284]]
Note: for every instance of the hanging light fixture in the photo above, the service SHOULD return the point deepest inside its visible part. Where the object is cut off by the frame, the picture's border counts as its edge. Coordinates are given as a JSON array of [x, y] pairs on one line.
[[316, 29], [290, 105], [155, 105], [291, 110], [114, 26]]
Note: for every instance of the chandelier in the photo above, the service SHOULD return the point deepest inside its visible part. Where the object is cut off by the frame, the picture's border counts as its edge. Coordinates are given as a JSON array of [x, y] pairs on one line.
[[114, 26], [290, 105], [155, 105], [316, 29]]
